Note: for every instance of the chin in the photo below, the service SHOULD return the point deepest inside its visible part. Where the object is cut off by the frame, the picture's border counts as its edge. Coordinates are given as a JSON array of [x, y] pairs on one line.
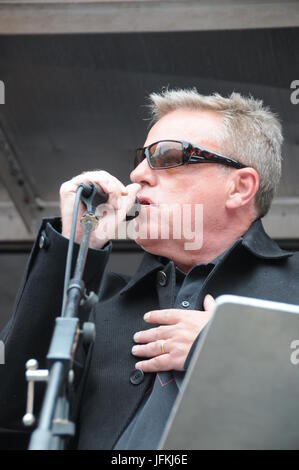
[[156, 247], [147, 243]]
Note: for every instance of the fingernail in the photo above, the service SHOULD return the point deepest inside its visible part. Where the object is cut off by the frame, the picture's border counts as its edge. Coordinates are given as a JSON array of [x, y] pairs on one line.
[[146, 316], [138, 365], [134, 349], [136, 336]]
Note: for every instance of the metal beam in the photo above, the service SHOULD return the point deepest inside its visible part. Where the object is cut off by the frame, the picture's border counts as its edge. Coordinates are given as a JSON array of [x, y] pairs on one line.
[[18, 187], [115, 16], [12, 227]]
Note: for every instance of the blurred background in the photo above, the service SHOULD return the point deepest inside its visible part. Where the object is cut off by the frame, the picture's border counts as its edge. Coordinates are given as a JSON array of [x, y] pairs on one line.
[[76, 75]]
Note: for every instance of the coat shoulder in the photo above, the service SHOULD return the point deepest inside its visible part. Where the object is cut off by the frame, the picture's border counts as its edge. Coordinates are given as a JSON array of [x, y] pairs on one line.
[[293, 261]]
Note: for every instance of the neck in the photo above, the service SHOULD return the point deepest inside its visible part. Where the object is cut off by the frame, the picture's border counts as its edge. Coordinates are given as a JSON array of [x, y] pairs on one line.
[[216, 240]]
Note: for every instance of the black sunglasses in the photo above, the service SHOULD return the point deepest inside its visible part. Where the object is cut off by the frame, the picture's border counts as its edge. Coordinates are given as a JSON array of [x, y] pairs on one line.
[[171, 153]]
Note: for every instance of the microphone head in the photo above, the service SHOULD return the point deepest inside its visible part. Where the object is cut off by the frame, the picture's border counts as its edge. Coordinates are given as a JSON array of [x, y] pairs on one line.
[[92, 190], [100, 197]]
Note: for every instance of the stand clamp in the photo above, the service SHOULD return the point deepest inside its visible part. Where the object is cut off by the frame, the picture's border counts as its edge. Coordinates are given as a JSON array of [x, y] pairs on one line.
[[34, 374]]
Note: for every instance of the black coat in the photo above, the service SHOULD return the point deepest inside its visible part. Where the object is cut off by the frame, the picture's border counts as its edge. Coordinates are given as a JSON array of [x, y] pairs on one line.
[[106, 398]]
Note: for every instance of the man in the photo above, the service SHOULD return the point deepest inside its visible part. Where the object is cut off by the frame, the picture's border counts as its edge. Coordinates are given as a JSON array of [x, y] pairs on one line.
[[223, 154]]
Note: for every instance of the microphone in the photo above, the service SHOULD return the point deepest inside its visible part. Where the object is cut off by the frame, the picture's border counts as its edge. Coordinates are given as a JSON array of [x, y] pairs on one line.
[[101, 197]]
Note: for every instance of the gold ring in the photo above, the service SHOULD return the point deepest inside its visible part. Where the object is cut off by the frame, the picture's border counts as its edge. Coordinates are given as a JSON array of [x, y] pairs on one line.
[[162, 347]]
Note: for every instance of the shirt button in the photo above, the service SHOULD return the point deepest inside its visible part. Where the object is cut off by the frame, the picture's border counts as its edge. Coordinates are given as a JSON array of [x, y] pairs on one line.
[[185, 304], [162, 278], [137, 377], [43, 240]]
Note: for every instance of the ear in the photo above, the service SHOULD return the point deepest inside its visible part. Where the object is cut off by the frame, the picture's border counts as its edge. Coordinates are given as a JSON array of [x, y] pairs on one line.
[[242, 187]]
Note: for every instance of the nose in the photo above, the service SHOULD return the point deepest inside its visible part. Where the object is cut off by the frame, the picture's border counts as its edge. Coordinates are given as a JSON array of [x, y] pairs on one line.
[[143, 174]]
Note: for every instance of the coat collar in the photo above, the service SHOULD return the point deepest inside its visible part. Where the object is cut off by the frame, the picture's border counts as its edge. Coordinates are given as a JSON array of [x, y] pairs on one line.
[[261, 245], [149, 263], [255, 240]]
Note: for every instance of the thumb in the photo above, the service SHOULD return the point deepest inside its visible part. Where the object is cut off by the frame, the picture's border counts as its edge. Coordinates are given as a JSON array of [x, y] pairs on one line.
[[128, 201], [209, 303], [133, 189]]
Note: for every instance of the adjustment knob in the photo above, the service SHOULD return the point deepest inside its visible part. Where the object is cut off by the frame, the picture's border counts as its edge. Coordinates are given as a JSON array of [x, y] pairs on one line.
[[88, 332]]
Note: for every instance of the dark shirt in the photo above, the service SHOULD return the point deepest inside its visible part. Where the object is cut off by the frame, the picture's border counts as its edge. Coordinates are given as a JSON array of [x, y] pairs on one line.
[[146, 428]]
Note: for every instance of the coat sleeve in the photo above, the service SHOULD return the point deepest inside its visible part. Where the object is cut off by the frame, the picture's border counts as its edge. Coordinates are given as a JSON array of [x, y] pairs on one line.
[[28, 333]]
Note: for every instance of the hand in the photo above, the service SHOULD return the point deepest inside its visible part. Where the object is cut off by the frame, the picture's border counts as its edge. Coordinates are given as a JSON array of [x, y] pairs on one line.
[[179, 328], [121, 199]]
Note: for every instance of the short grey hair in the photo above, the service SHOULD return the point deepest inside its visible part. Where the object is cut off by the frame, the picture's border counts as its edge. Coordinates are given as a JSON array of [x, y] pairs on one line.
[[251, 133]]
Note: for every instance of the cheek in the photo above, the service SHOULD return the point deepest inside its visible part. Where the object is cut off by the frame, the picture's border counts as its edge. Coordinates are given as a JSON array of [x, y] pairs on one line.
[[211, 181], [213, 196], [177, 188], [195, 186]]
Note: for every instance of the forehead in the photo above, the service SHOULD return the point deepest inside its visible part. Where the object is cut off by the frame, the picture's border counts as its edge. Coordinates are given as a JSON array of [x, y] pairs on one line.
[[197, 127]]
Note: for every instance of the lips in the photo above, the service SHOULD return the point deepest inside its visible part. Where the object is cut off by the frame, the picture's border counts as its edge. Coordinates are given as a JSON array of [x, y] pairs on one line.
[[144, 201]]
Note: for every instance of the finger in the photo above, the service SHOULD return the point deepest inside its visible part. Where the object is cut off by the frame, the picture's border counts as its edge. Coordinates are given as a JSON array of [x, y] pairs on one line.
[[119, 183], [165, 317], [128, 201], [151, 349], [99, 177], [87, 178], [156, 364], [110, 185], [122, 206], [135, 187], [153, 334], [68, 187], [114, 192], [209, 303]]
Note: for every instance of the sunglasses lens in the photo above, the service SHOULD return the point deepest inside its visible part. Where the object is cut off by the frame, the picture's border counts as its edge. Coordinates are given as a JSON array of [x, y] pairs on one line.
[[166, 154]]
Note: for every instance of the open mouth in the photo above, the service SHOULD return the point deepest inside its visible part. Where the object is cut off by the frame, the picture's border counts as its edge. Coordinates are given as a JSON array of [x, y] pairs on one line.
[[144, 201]]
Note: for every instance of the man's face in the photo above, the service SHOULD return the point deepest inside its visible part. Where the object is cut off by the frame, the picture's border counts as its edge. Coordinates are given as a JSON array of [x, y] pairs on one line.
[[192, 184]]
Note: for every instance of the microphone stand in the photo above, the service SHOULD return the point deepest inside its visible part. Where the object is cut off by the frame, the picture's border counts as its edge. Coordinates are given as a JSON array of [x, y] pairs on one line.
[[54, 426]]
